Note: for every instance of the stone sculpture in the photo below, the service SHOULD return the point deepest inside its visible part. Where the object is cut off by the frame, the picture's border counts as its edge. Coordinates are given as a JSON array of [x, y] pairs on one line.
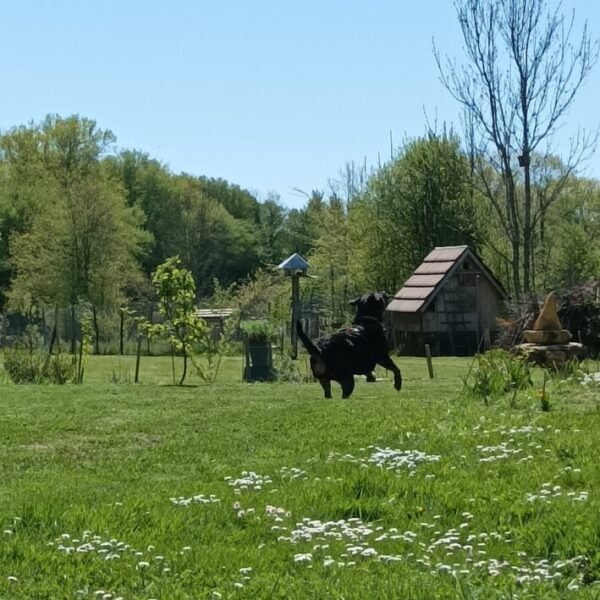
[[547, 328], [548, 344]]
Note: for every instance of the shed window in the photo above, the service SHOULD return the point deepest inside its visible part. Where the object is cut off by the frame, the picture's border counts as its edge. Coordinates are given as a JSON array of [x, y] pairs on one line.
[[467, 279]]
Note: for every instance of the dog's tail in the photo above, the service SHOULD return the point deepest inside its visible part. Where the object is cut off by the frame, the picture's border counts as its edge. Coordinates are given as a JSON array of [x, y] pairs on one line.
[[306, 341]]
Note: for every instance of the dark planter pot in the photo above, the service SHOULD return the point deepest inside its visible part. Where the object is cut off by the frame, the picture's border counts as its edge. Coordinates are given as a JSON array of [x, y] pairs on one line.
[[259, 360], [260, 355], [259, 374]]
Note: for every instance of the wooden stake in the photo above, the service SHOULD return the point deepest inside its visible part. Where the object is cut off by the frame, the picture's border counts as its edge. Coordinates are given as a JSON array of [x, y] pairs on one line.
[[429, 363], [138, 354]]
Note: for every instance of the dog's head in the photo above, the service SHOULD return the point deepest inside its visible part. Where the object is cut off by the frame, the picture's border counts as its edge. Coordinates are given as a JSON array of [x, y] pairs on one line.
[[371, 305]]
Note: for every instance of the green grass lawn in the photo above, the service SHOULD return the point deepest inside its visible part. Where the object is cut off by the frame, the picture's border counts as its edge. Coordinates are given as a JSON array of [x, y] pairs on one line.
[[232, 490]]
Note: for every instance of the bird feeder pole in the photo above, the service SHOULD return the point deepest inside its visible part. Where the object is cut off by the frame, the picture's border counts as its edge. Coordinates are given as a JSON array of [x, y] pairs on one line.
[[295, 314], [295, 267]]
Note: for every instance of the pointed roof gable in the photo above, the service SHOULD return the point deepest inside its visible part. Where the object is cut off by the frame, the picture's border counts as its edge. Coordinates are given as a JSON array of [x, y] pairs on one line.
[[294, 262], [429, 277]]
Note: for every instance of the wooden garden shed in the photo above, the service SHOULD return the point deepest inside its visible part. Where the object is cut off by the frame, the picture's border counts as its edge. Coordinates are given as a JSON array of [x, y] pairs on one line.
[[450, 302], [215, 318]]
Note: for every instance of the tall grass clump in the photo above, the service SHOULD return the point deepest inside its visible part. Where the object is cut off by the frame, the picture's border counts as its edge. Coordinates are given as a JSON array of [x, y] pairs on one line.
[[497, 373]]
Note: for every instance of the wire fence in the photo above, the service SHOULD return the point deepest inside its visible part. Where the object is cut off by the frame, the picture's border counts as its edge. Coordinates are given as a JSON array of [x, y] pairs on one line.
[[118, 331]]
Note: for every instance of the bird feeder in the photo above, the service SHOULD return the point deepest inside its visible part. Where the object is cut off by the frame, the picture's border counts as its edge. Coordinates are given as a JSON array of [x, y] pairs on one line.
[[295, 267]]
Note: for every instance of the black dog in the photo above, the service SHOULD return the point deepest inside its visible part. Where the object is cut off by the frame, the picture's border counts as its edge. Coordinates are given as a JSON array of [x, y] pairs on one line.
[[370, 305], [355, 351]]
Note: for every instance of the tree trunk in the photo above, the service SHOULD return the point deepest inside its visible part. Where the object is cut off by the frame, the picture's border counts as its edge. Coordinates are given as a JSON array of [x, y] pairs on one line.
[[332, 289], [173, 363], [525, 162], [185, 361], [138, 355], [54, 336], [73, 336], [80, 363], [150, 313], [511, 209], [527, 246], [121, 331], [96, 331]]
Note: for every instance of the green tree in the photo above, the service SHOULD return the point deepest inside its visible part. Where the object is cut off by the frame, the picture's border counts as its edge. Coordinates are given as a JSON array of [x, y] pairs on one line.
[[419, 200], [82, 248], [570, 250], [303, 224], [66, 235], [71, 147], [149, 188], [26, 187], [331, 260], [239, 203], [210, 242], [176, 292], [212, 225], [272, 231], [576, 259]]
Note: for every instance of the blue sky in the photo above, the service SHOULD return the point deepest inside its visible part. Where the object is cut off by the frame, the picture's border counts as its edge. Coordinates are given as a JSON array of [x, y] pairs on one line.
[[271, 95]]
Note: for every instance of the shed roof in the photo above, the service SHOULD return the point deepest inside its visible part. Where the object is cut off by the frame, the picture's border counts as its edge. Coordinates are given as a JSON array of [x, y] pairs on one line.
[[429, 277], [405, 306], [214, 313]]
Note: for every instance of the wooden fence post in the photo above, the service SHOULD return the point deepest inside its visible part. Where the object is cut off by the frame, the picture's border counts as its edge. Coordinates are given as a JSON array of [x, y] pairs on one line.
[[428, 357], [138, 354]]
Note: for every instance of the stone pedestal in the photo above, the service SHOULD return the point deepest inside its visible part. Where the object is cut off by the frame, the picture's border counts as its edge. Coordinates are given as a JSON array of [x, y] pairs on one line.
[[551, 355], [547, 337]]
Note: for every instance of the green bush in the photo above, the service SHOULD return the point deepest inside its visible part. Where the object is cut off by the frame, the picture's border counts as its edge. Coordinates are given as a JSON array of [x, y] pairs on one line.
[[25, 366], [287, 370], [60, 368]]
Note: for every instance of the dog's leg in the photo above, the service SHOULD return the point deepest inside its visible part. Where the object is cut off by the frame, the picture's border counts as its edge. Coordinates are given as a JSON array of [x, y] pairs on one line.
[[387, 363], [326, 385], [347, 386], [371, 377]]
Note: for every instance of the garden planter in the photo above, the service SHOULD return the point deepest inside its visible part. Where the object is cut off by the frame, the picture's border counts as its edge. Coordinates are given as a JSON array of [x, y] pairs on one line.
[[259, 362], [260, 355]]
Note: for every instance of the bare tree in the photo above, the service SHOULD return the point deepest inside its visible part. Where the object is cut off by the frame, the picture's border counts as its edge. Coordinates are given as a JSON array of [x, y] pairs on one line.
[[521, 75], [350, 182]]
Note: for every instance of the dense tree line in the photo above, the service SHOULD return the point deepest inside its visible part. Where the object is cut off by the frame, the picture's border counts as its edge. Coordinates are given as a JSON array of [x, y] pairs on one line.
[[82, 223]]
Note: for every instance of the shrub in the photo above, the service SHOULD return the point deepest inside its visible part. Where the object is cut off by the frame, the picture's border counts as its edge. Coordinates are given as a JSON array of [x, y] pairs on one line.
[[497, 373], [25, 366], [212, 346], [287, 370]]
